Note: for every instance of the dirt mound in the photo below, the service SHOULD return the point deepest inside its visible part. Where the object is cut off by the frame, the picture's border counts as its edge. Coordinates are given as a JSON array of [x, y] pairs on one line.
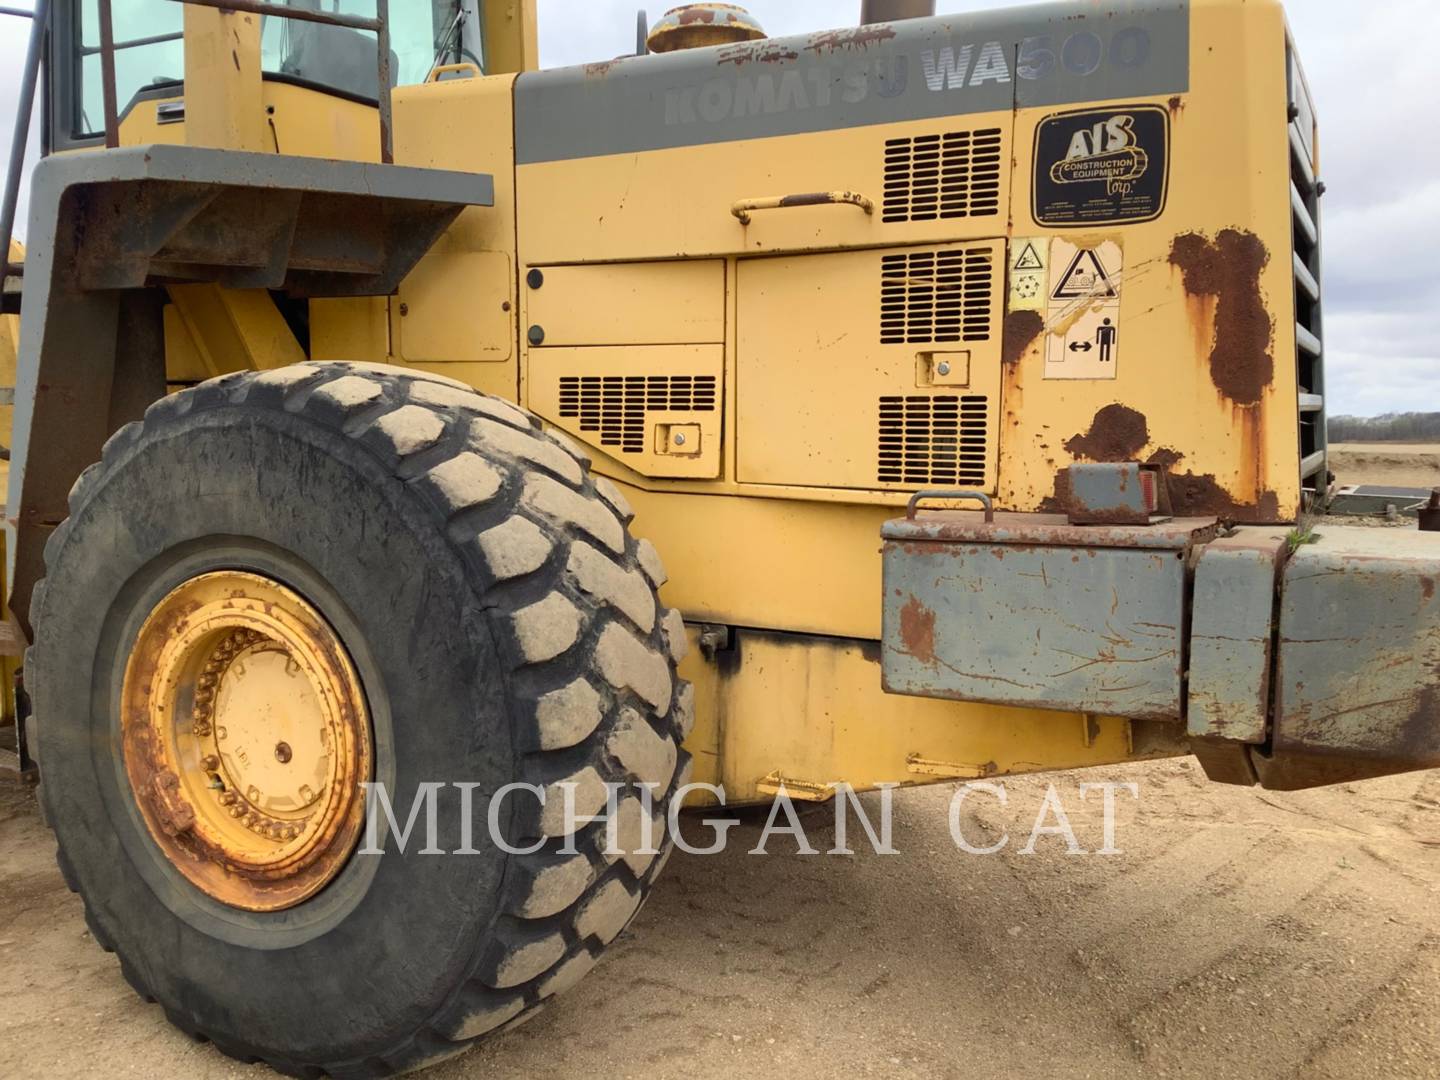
[[1395, 464]]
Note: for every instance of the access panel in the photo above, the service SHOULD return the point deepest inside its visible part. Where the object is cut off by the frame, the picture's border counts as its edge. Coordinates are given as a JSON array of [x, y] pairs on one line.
[[875, 369]]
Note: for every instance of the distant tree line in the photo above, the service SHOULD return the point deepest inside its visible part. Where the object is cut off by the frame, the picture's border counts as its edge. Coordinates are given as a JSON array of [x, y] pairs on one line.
[[1391, 427]]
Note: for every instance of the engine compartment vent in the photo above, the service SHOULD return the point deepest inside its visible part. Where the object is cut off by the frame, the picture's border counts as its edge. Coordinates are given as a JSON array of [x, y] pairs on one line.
[[936, 297], [934, 440], [615, 406], [933, 177]]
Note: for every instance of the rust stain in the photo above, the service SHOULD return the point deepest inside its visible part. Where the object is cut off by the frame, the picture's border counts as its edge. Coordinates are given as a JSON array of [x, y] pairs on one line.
[[1060, 498], [1166, 458], [856, 37], [768, 52], [1021, 330], [1117, 433], [599, 69], [1228, 269], [695, 13], [1427, 587], [1193, 495], [917, 631], [1176, 107]]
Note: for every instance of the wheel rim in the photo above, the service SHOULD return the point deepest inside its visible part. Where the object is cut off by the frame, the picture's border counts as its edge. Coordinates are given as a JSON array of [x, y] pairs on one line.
[[246, 738]]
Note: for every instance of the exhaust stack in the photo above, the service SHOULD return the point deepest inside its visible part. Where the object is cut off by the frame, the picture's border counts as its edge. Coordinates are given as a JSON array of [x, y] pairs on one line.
[[883, 11]]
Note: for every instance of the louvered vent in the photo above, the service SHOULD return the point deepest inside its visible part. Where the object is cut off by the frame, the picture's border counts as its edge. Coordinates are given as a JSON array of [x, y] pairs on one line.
[[934, 440], [954, 175], [936, 297], [615, 405]]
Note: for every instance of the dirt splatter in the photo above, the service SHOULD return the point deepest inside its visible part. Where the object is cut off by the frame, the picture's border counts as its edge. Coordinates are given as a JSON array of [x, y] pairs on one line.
[[917, 631], [1117, 433], [1021, 330], [1228, 269]]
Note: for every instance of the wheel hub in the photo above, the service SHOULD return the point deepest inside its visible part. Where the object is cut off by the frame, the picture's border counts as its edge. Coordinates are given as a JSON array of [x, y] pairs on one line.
[[246, 738]]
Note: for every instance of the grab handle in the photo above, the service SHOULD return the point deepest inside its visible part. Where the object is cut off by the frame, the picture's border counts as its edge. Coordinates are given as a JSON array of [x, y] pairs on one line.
[[743, 208], [914, 505]]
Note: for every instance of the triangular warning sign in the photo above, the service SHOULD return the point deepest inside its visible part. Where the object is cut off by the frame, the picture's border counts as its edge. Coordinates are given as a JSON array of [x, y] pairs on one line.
[[1029, 259], [1086, 277]]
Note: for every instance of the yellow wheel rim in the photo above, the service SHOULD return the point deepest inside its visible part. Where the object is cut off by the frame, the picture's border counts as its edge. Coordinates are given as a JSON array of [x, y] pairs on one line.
[[246, 738]]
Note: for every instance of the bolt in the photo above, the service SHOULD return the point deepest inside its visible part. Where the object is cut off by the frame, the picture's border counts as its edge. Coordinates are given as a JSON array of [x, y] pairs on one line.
[[944, 368], [210, 763], [283, 753], [679, 438]]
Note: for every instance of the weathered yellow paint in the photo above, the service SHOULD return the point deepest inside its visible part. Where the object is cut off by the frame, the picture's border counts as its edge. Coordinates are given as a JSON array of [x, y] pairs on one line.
[[297, 120], [423, 324], [227, 330], [660, 303], [774, 525], [224, 106], [696, 454], [810, 711], [512, 37], [808, 350], [9, 349]]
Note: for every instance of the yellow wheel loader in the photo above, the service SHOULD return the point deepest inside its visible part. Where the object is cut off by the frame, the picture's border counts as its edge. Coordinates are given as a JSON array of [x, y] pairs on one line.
[[930, 399]]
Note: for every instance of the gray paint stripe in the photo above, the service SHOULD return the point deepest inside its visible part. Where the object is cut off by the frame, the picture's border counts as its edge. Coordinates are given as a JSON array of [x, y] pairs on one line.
[[1041, 55]]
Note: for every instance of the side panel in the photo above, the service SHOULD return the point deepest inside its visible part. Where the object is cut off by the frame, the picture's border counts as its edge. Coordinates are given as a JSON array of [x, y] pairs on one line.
[[1206, 374], [920, 408]]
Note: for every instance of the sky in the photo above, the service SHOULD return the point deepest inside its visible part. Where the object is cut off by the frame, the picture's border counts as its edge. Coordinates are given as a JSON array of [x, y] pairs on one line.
[[1380, 163]]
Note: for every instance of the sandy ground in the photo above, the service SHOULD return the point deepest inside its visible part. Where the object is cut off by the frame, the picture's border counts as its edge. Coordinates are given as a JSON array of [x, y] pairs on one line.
[[1240, 934], [1398, 464]]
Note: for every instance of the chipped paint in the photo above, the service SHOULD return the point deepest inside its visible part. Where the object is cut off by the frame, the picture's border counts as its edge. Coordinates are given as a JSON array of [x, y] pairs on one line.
[[852, 39]]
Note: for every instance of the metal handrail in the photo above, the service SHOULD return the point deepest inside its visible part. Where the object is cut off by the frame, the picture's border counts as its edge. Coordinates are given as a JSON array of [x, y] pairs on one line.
[[29, 78]]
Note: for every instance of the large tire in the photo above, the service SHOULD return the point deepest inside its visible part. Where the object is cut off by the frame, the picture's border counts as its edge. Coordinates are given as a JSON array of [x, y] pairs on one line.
[[505, 627]]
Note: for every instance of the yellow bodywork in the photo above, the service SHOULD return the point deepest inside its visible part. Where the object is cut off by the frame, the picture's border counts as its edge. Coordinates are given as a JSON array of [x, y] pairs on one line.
[[766, 504]]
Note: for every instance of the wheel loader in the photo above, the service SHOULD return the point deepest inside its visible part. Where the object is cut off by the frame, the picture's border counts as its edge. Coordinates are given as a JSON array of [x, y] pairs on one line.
[[937, 398]]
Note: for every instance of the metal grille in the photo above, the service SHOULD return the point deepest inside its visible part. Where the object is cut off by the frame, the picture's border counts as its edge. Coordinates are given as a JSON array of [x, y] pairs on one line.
[[616, 405], [1305, 191], [934, 297], [954, 175], [934, 440]]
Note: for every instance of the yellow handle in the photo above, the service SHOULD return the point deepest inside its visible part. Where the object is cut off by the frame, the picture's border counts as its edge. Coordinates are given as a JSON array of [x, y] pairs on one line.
[[743, 208], [470, 70]]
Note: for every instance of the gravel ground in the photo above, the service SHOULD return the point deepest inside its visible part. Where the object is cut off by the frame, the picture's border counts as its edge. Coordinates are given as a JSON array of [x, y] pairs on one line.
[[1240, 934]]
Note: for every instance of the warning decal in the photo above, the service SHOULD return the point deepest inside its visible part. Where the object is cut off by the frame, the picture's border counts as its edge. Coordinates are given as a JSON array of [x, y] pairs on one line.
[[1102, 166], [1086, 276], [1028, 274], [1029, 258], [1083, 311]]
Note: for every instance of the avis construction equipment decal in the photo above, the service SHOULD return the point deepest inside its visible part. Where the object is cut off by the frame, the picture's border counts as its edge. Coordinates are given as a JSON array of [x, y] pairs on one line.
[[1083, 319], [1102, 166]]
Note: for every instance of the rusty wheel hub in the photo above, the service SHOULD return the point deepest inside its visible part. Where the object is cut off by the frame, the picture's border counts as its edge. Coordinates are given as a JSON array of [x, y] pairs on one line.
[[246, 738]]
